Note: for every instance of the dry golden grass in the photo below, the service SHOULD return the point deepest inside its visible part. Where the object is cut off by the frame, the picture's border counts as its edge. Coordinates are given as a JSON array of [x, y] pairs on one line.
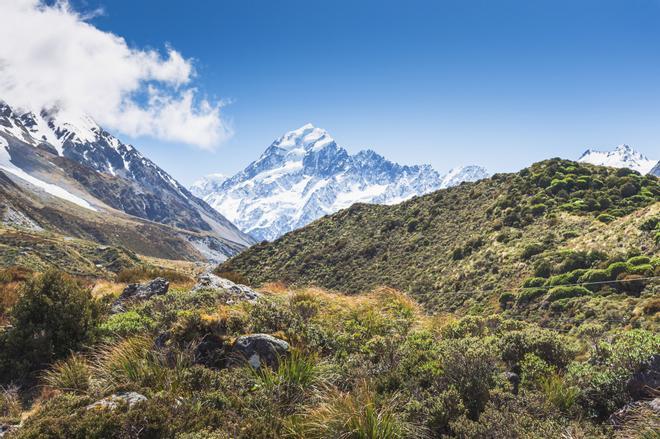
[[102, 288]]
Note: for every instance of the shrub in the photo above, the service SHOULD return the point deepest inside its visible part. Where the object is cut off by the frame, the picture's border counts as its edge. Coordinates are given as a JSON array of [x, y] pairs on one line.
[[54, 315], [543, 269], [531, 250], [127, 323], [617, 268], [566, 292], [593, 277], [642, 269], [639, 260], [534, 282], [553, 348], [528, 295], [469, 365], [506, 299], [534, 370], [605, 218], [650, 224]]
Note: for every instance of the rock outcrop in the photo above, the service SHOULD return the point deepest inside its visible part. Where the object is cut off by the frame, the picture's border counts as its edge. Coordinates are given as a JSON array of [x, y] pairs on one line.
[[260, 349], [233, 292], [113, 401], [139, 292]]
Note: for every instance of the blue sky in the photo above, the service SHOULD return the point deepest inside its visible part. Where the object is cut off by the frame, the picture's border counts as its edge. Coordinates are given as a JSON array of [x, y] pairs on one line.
[[496, 83]]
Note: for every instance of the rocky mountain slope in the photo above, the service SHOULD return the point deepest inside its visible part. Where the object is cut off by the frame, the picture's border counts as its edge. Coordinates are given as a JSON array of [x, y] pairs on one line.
[[70, 165], [623, 156], [463, 246], [305, 175]]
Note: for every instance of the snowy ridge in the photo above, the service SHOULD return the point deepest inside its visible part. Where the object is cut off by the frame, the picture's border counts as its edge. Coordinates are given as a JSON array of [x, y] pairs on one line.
[[106, 172], [79, 137], [623, 156], [52, 189], [304, 175]]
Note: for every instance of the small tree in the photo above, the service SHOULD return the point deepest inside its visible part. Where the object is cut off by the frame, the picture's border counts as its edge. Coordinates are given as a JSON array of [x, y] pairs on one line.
[[53, 316]]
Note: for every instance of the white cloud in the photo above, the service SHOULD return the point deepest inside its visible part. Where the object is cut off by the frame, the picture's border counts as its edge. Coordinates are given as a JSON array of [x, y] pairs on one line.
[[51, 57]]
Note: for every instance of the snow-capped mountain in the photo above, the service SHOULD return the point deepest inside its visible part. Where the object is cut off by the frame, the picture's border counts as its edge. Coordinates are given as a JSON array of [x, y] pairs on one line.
[[304, 175], [623, 156], [72, 158]]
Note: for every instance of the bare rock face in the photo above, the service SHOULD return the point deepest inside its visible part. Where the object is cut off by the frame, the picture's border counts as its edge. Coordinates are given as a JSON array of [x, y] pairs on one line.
[[139, 292], [113, 401], [234, 292], [260, 349]]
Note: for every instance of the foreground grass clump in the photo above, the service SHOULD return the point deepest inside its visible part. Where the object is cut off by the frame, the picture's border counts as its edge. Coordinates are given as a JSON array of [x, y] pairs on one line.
[[368, 366]]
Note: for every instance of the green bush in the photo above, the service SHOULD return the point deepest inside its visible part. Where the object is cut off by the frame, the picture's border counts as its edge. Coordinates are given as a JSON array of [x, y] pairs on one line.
[[127, 323], [506, 299], [605, 218], [528, 295], [617, 268], [639, 260], [468, 365], [533, 370], [54, 316], [593, 277], [548, 345], [534, 282], [567, 292], [531, 250]]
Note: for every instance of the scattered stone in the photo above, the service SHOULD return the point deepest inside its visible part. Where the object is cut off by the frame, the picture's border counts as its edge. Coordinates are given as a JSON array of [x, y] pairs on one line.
[[137, 292], [234, 292], [113, 401], [258, 349]]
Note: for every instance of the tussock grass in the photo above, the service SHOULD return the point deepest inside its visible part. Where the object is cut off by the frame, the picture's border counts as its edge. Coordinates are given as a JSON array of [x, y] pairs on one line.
[[354, 415], [73, 374]]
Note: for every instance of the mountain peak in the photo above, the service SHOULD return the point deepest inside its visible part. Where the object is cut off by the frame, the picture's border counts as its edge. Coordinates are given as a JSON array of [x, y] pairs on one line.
[[304, 175], [306, 138], [623, 156]]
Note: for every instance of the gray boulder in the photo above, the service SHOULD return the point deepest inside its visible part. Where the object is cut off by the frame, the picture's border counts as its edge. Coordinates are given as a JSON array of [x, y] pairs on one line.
[[259, 349], [113, 401], [138, 292], [233, 292]]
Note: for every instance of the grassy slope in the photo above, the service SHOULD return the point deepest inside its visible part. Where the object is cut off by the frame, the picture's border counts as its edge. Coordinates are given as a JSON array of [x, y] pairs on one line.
[[468, 238]]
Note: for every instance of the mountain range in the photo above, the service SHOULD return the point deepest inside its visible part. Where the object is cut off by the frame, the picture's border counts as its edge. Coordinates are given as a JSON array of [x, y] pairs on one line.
[[623, 156], [64, 173], [304, 175]]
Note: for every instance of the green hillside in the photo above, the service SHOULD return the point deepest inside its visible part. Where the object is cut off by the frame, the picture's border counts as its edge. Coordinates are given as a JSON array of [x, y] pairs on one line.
[[459, 249]]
